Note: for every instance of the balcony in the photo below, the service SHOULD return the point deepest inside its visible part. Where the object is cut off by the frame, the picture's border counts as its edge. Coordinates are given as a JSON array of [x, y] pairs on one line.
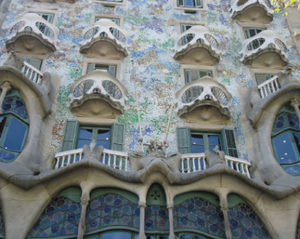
[[265, 49], [187, 163], [197, 46], [32, 34], [98, 94], [203, 100], [259, 11], [104, 39]]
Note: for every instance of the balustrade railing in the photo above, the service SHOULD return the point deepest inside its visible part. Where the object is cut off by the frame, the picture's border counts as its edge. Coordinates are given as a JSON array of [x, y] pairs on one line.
[[269, 87], [238, 165], [115, 159], [32, 73]]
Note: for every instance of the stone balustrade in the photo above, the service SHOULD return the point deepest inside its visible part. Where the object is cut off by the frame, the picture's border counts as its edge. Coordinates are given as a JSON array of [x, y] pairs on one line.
[[190, 163], [267, 41], [238, 165], [32, 73], [269, 87]]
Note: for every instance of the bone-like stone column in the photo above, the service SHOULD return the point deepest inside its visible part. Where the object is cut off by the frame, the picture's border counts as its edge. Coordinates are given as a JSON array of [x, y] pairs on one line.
[[5, 88], [171, 224], [85, 198], [296, 103], [142, 221], [224, 208]]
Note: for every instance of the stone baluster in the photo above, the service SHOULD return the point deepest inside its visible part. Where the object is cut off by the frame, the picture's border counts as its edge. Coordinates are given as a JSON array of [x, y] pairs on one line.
[[296, 104], [171, 224], [5, 88], [142, 206], [85, 198]]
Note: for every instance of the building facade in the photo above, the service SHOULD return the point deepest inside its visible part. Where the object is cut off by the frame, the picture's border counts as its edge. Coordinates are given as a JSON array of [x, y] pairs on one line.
[[149, 119]]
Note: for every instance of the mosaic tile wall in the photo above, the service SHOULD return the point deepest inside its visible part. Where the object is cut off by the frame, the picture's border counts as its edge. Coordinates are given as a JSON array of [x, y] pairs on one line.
[[152, 26]]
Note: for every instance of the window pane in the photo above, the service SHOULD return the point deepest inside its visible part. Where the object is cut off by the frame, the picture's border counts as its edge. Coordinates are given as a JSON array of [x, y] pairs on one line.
[[2, 124], [191, 237], [197, 143], [15, 135], [103, 134], [82, 142], [297, 141], [116, 235], [214, 140], [283, 146], [85, 133]]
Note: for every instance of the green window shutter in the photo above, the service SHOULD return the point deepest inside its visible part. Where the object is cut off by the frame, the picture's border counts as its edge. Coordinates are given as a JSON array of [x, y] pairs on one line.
[[112, 69], [184, 142], [117, 136], [228, 141], [70, 136]]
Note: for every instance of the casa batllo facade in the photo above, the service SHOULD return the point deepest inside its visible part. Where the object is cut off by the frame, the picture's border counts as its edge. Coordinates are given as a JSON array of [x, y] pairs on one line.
[[134, 119]]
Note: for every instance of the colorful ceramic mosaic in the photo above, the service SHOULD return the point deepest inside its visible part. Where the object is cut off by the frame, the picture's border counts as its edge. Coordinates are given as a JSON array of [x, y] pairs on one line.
[[112, 210], [198, 214]]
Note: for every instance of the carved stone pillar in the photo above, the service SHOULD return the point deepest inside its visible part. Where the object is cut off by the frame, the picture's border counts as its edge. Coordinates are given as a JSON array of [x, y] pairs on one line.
[[171, 224], [142, 221], [85, 198], [296, 104], [224, 208], [5, 88]]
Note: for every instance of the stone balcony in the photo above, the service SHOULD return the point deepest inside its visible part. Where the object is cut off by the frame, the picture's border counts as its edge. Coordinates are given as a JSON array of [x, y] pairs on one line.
[[259, 11], [197, 45], [202, 100], [32, 34], [98, 94], [104, 39], [265, 49]]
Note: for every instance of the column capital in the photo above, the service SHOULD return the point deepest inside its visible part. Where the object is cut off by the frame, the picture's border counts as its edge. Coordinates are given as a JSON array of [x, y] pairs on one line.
[[6, 86]]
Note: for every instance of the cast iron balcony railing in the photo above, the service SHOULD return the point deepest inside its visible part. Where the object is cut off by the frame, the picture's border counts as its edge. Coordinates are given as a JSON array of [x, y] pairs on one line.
[[30, 29], [264, 42], [102, 36], [197, 37], [252, 10]]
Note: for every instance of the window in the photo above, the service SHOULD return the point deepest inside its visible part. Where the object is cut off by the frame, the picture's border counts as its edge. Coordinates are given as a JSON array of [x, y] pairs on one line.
[[111, 69], [184, 27], [190, 3], [198, 142], [250, 32], [286, 139], [100, 134], [113, 19], [76, 135], [35, 62], [261, 78], [49, 17], [14, 125]]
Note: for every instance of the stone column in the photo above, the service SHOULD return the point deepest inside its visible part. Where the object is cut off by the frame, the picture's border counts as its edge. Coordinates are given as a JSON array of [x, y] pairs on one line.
[[5, 88], [142, 221], [224, 208], [296, 103], [171, 224], [85, 198]]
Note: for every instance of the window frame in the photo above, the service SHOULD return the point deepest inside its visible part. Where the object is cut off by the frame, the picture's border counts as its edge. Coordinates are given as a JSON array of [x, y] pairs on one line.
[[205, 135], [190, 9], [105, 16], [255, 71], [46, 11], [110, 4], [193, 67], [117, 63]]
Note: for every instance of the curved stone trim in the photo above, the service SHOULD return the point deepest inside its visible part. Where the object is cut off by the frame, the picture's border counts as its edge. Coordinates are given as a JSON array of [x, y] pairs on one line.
[[202, 38], [26, 27], [96, 91]]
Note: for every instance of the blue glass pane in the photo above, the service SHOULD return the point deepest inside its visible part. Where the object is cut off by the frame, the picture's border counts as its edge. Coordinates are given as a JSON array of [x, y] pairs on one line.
[[156, 218], [197, 143], [213, 140], [200, 215], [103, 134], [283, 146], [244, 223], [294, 169], [297, 141], [189, 3], [116, 235], [104, 143], [186, 236], [82, 142], [7, 157], [15, 135], [85, 133], [15, 105]]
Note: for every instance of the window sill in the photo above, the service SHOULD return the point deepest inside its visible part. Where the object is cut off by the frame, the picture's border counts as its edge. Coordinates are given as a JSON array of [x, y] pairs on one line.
[[110, 4]]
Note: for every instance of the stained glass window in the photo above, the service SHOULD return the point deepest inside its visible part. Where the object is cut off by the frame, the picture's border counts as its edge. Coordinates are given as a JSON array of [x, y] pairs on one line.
[[156, 213], [13, 126], [198, 212], [298, 229], [109, 208], [2, 232], [286, 139], [244, 223], [61, 217]]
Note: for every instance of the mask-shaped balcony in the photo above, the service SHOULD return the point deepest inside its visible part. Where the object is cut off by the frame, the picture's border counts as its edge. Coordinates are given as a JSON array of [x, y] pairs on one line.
[[265, 49], [252, 11], [197, 45], [32, 34], [203, 100], [98, 94], [104, 39]]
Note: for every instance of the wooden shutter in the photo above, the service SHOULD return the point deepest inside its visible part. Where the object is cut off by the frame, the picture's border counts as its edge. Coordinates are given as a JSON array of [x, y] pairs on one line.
[[117, 136], [70, 135], [228, 142], [112, 69], [184, 142]]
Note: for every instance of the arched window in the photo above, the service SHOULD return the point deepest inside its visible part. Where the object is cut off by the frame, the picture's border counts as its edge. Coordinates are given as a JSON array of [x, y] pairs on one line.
[[156, 213], [286, 139], [197, 215], [14, 124], [244, 223], [61, 217], [112, 214]]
